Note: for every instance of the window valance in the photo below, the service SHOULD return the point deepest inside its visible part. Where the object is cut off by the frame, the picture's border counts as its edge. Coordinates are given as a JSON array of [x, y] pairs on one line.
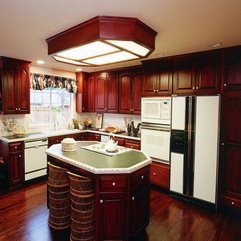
[[42, 81]]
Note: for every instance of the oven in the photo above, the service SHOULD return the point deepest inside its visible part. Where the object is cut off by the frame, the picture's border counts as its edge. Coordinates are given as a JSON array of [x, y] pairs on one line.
[[155, 127], [155, 141]]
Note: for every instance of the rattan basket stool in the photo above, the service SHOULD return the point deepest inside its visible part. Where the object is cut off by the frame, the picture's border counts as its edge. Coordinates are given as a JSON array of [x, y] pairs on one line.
[[82, 208], [58, 197]]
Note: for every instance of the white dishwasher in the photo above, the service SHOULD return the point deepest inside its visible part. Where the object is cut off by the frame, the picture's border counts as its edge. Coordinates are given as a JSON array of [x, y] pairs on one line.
[[35, 158]]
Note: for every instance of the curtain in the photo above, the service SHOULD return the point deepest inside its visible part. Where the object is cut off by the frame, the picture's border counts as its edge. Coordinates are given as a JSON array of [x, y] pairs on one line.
[[42, 81]]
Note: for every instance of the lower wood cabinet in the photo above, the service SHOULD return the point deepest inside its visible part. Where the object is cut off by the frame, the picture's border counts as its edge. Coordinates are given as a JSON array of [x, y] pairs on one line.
[[123, 205], [13, 156], [130, 143], [160, 175]]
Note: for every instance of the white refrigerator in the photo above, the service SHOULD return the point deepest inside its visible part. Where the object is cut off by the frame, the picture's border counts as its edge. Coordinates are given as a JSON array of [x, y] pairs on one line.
[[194, 146]]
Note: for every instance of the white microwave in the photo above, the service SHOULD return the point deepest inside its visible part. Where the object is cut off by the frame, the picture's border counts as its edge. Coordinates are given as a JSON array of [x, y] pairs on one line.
[[156, 110]]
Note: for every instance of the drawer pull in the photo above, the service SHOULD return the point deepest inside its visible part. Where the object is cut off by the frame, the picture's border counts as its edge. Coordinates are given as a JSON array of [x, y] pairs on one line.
[[232, 203], [20, 155], [113, 184], [142, 177], [16, 147], [154, 174], [133, 198], [101, 201]]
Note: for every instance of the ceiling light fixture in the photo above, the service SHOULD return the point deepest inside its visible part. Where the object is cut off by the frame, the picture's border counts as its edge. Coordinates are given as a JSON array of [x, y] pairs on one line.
[[40, 62], [103, 40]]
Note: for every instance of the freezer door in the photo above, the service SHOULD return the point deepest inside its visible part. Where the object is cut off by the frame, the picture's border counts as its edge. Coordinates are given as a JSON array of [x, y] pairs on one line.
[[206, 148], [176, 172], [178, 112]]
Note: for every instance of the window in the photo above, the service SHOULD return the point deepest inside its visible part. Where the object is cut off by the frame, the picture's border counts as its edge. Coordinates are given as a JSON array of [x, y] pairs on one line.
[[50, 105]]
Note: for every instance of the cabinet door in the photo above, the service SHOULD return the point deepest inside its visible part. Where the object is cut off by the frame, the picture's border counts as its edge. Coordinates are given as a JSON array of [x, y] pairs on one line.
[[125, 92], [100, 86], [22, 87], [230, 166], [183, 79], [16, 168], [111, 93], [133, 144], [112, 217], [207, 74], [232, 69], [139, 211], [136, 92], [164, 83], [149, 83], [90, 89], [8, 91], [160, 175]]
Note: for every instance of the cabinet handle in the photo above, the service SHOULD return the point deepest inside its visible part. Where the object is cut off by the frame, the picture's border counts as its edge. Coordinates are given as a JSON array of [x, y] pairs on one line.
[[101, 201], [19, 108], [16, 147], [113, 184], [222, 144], [233, 203], [157, 90], [20, 155], [196, 88], [225, 85], [133, 198], [142, 177], [193, 88], [16, 109], [154, 174]]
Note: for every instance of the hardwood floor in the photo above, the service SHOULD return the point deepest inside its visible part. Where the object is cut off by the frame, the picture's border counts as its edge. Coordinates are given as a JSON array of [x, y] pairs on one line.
[[24, 217]]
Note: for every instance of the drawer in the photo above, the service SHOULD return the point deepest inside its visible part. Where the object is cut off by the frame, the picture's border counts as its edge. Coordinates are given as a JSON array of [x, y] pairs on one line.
[[160, 175], [230, 202], [133, 144], [121, 141], [15, 147], [113, 183], [140, 179]]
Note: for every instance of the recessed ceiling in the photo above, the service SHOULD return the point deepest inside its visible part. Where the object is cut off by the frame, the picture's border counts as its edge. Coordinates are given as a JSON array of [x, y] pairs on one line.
[[183, 26]]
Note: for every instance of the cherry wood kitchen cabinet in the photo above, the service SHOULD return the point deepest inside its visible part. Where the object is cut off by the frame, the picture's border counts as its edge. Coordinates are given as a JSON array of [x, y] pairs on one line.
[[197, 74], [57, 139], [160, 175], [157, 81], [232, 69], [230, 153], [85, 98], [92, 137], [13, 156], [130, 92], [15, 86], [106, 92], [130, 143]]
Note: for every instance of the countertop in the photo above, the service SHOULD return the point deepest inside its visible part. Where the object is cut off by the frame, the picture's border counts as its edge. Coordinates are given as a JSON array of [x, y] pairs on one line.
[[98, 163], [40, 135]]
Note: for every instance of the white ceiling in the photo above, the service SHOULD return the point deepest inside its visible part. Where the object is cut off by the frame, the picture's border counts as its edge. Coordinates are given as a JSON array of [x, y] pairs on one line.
[[183, 26]]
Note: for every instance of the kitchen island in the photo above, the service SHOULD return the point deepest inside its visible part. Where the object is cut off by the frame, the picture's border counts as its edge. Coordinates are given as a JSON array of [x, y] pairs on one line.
[[122, 186]]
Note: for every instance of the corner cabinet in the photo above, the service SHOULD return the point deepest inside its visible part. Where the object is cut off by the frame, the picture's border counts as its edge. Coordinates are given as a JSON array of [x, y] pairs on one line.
[[85, 98], [130, 92], [15, 86], [106, 92]]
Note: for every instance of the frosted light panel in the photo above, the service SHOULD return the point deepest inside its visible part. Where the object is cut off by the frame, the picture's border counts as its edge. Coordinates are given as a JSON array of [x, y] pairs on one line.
[[88, 51], [69, 61], [111, 58], [130, 46]]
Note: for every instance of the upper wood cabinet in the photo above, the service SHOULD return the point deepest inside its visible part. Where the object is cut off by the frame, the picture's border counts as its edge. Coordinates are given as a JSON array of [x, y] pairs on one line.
[[15, 86], [232, 69], [106, 92], [130, 91], [85, 98], [197, 74], [158, 79]]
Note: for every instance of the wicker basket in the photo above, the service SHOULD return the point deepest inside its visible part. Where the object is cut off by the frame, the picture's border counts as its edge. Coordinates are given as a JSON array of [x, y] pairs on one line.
[[57, 176], [83, 235], [59, 223], [59, 203], [68, 144], [58, 195], [82, 216], [80, 184]]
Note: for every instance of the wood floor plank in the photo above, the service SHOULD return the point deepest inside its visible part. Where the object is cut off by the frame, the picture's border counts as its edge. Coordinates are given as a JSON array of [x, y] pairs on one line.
[[24, 217]]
